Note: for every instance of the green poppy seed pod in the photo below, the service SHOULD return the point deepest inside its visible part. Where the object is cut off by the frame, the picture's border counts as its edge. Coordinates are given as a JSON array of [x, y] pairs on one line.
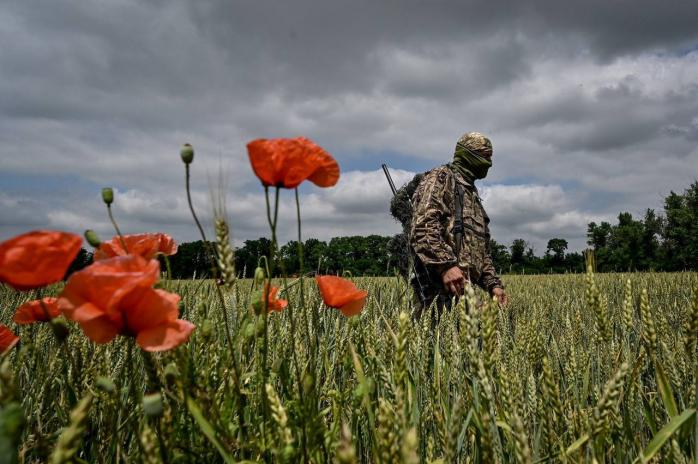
[[201, 307], [249, 330], [107, 195], [187, 153], [371, 384], [358, 393], [152, 404], [259, 275], [259, 327], [105, 384], [206, 328], [60, 328], [171, 373], [288, 452], [92, 238], [308, 383]]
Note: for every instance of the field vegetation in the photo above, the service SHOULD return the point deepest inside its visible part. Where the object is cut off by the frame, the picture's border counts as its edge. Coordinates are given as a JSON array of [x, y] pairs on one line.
[[577, 368], [130, 365]]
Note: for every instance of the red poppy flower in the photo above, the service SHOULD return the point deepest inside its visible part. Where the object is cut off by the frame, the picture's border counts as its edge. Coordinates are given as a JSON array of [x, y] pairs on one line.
[[37, 311], [7, 339], [115, 296], [145, 245], [288, 162], [273, 303], [341, 294], [37, 258]]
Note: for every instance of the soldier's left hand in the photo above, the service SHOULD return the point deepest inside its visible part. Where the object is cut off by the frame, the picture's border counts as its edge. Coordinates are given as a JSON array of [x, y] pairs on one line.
[[501, 295]]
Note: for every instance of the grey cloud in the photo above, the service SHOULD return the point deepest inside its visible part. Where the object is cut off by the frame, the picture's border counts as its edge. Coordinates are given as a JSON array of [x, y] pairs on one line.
[[21, 212], [536, 213], [585, 93]]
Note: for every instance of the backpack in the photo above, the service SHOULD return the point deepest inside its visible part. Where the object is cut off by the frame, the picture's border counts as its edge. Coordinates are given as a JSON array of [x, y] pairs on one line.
[[401, 210], [401, 204]]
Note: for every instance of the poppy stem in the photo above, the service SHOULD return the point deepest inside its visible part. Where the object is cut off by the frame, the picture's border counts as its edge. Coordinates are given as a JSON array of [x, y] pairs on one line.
[[193, 213], [300, 246], [302, 307], [116, 227], [228, 336], [270, 262]]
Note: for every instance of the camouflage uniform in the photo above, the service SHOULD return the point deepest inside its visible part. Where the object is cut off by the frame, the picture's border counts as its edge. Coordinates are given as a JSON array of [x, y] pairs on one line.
[[432, 237]]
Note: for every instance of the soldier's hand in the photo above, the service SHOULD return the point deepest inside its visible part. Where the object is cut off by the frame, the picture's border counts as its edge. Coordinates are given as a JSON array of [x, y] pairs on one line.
[[501, 295], [454, 280]]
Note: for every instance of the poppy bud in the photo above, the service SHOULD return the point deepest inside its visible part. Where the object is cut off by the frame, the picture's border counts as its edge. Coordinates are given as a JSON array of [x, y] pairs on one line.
[[152, 404], [105, 384], [107, 195], [92, 238], [60, 328], [187, 153]]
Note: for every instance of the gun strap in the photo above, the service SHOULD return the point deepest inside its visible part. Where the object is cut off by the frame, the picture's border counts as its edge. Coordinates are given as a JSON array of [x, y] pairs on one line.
[[458, 229]]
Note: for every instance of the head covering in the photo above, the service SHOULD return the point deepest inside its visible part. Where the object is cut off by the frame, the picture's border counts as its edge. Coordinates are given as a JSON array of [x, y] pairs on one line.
[[472, 156]]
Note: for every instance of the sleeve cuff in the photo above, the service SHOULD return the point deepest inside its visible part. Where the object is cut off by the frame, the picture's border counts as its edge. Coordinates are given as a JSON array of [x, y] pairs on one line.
[[496, 284]]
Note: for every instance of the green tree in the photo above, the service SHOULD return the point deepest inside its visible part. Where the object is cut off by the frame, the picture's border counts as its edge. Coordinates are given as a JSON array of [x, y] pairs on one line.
[[190, 260], [518, 250], [314, 253], [500, 256], [680, 237], [556, 250], [247, 257]]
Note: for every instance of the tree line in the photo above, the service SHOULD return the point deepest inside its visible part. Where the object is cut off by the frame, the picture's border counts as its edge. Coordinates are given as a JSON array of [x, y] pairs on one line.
[[667, 242], [354, 255]]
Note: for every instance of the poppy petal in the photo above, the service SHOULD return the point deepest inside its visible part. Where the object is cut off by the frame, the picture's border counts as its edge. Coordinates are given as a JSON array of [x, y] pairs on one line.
[[7, 339], [104, 283], [326, 173], [149, 308], [337, 292], [84, 312], [288, 162], [36, 311], [93, 296], [353, 307], [100, 329], [37, 258], [166, 336], [144, 245]]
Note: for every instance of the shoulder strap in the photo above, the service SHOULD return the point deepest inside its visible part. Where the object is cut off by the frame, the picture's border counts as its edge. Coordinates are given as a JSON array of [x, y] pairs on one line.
[[458, 194]]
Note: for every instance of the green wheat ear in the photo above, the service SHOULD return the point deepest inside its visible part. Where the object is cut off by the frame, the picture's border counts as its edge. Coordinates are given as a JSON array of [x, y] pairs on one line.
[[225, 259], [70, 439]]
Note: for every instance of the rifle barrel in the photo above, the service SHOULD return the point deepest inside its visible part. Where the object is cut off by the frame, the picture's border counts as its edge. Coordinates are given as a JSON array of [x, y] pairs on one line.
[[390, 179]]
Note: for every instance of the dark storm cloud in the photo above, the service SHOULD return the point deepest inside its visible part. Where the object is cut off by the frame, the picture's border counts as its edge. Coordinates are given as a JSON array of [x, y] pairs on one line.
[[586, 92]]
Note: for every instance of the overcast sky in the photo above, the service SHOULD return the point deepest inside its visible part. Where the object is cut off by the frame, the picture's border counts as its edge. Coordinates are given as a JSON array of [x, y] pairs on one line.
[[592, 108]]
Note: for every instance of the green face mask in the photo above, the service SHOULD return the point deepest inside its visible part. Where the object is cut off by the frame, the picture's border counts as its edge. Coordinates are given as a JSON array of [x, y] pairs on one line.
[[469, 164]]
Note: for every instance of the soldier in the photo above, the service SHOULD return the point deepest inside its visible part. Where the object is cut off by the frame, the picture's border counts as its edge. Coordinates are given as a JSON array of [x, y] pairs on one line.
[[449, 232]]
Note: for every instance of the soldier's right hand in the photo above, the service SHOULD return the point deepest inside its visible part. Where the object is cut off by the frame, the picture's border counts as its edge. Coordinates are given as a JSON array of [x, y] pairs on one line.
[[454, 280]]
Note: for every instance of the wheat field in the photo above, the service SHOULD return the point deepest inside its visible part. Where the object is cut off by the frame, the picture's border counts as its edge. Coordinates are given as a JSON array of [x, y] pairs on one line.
[[595, 368]]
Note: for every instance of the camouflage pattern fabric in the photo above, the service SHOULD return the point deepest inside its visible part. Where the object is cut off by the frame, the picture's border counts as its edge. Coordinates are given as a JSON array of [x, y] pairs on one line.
[[432, 235], [477, 142]]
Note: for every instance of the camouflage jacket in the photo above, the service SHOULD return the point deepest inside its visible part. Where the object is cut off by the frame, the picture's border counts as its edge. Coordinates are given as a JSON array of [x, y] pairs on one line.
[[432, 228]]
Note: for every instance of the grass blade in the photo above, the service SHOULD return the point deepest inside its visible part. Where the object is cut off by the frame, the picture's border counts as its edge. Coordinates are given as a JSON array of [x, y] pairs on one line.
[[208, 430], [665, 433], [665, 391]]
